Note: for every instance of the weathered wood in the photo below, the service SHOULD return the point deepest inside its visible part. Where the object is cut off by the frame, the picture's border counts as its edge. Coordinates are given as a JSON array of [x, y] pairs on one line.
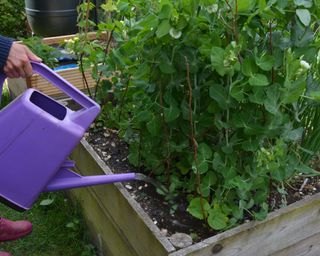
[[282, 229], [307, 247], [133, 230]]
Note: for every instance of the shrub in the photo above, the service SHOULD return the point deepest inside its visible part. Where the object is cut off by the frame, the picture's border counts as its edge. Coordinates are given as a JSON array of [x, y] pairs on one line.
[[13, 18]]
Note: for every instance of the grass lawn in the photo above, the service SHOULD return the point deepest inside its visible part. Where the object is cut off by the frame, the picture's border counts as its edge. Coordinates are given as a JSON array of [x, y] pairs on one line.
[[58, 229]]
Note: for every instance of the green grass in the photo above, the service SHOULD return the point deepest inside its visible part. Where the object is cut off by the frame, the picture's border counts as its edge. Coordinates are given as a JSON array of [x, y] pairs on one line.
[[5, 96], [58, 229]]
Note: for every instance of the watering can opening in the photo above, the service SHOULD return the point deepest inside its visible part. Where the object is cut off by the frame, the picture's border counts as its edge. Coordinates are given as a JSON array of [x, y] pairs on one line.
[[48, 105]]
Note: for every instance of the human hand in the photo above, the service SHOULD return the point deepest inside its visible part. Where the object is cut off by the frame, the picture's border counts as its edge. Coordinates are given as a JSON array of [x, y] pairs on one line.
[[18, 61]]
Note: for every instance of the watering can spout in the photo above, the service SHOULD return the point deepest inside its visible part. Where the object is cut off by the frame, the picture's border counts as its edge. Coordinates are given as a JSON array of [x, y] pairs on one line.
[[67, 179]]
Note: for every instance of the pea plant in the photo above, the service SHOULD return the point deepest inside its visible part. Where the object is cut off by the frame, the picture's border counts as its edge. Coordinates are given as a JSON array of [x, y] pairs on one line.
[[218, 99]]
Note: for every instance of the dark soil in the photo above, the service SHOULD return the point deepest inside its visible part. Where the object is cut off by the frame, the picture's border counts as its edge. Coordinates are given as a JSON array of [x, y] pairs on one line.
[[114, 152]]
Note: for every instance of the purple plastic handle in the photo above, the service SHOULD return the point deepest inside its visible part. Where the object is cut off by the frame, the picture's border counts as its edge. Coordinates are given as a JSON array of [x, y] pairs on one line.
[[81, 116], [63, 84]]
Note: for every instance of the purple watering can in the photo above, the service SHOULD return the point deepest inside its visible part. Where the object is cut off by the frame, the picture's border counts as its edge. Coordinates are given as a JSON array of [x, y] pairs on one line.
[[37, 134]]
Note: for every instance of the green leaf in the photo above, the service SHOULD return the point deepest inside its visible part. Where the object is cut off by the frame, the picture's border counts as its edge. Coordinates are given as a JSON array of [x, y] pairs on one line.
[[265, 62], [204, 151], [154, 126], [143, 116], [217, 58], [163, 28], [46, 202], [201, 168], [237, 92], [207, 182], [307, 170], [166, 65], [133, 158], [219, 94], [248, 67], [304, 16], [258, 80], [167, 68], [305, 3], [217, 219], [246, 5], [195, 208], [262, 214], [165, 12], [294, 135], [171, 114]]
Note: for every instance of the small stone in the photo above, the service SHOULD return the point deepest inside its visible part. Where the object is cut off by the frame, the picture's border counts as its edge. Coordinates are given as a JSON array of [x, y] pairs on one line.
[[106, 134], [128, 187], [146, 185], [155, 222], [140, 187], [164, 231], [113, 144], [107, 158], [180, 240]]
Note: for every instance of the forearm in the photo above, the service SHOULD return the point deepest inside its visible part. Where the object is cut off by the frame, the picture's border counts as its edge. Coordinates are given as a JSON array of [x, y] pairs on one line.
[[5, 45]]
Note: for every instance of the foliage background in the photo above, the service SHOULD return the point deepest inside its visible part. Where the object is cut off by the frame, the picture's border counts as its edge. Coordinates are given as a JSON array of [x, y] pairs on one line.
[[13, 18]]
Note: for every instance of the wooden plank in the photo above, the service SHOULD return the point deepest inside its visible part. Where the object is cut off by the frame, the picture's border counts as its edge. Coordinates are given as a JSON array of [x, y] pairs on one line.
[[282, 229], [129, 220], [72, 75], [307, 247], [55, 40], [99, 224]]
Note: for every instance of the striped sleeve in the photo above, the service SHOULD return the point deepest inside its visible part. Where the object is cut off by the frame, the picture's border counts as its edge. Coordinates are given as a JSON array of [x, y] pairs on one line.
[[5, 45]]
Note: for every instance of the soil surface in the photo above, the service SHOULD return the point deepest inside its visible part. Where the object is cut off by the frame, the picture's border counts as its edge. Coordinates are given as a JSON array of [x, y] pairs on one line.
[[114, 152]]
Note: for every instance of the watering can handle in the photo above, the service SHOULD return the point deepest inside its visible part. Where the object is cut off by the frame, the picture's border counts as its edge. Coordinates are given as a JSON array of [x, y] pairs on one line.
[[89, 105], [63, 84], [59, 82]]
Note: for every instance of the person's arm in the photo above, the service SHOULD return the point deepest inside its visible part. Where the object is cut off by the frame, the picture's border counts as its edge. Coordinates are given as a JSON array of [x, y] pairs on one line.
[[15, 58], [5, 45]]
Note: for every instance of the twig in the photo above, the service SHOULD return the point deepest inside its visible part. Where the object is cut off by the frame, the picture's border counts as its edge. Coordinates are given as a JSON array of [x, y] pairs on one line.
[[305, 182]]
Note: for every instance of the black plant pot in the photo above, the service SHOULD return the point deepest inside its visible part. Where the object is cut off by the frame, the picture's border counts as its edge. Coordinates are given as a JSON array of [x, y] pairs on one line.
[[52, 17]]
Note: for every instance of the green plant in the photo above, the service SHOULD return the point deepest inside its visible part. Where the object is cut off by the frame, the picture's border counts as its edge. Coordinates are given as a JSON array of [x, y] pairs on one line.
[[13, 18], [47, 53], [217, 98], [5, 96]]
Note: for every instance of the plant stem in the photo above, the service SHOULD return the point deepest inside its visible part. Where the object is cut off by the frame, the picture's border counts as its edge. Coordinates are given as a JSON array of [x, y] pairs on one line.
[[271, 51], [193, 139], [166, 136]]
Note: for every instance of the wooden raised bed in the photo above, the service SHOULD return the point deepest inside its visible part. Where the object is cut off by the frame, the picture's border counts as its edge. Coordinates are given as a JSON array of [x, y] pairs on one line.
[[120, 226]]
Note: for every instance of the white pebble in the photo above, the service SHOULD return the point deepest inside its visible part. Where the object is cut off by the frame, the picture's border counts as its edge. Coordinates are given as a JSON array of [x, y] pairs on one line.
[[128, 187]]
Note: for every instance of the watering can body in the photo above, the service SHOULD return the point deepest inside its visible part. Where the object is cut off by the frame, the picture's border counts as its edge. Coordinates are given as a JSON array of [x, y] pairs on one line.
[[37, 134]]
